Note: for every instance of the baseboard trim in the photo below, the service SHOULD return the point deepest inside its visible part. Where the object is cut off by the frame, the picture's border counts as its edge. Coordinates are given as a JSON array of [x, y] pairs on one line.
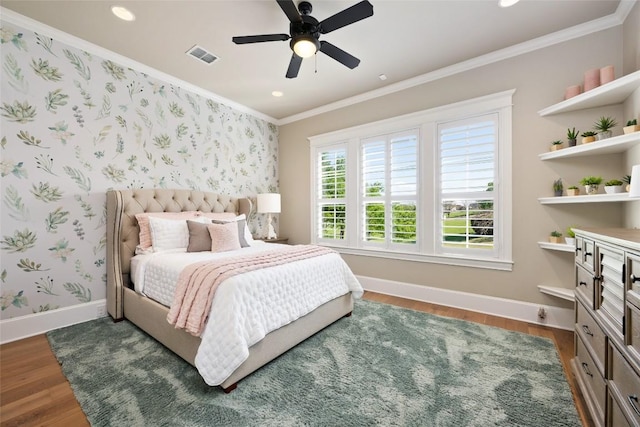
[[556, 317], [27, 326]]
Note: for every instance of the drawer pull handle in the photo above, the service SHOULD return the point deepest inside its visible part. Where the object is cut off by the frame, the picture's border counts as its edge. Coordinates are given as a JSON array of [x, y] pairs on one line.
[[585, 368], [586, 254], [578, 250], [582, 283], [633, 400], [596, 278], [634, 278], [586, 330]]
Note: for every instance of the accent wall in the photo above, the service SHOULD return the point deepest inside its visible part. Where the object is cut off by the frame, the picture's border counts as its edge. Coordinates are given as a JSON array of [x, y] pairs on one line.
[[74, 125]]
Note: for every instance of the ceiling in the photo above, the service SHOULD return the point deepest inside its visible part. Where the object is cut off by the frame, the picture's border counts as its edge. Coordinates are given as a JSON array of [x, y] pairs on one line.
[[402, 40]]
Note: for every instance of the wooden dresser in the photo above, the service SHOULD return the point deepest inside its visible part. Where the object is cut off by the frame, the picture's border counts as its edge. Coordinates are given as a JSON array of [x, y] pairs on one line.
[[607, 313]]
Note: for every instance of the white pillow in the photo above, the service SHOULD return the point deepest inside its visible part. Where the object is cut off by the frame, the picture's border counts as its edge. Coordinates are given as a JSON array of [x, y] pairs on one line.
[[168, 234]]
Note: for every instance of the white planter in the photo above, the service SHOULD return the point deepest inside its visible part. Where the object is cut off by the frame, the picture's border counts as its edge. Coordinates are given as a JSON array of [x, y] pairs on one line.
[[613, 189], [591, 189], [570, 241]]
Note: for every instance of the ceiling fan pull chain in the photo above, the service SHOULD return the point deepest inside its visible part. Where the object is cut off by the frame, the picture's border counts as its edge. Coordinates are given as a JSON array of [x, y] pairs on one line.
[[315, 60]]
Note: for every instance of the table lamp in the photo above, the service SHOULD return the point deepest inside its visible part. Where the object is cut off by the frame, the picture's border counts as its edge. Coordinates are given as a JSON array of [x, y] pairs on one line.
[[269, 203]]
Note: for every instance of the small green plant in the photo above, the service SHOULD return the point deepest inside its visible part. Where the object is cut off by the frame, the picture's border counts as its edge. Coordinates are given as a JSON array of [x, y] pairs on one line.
[[588, 134], [570, 233], [632, 122], [627, 179], [613, 182], [604, 124], [591, 180], [573, 187], [558, 142], [557, 185], [572, 133], [556, 234]]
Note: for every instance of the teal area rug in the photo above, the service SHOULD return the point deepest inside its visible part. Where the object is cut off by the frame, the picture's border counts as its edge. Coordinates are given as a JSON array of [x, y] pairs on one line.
[[384, 366]]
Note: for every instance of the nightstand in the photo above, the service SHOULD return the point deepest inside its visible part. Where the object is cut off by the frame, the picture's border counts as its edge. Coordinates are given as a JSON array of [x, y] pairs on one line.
[[283, 240]]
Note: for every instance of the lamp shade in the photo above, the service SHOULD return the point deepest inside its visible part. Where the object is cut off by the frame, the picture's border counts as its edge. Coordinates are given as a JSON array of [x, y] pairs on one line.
[[269, 203], [634, 188]]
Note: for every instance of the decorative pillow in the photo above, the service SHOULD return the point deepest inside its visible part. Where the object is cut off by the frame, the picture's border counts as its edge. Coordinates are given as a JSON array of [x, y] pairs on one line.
[[199, 237], [243, 229], [224, 237], [168, 234], [143, 223]]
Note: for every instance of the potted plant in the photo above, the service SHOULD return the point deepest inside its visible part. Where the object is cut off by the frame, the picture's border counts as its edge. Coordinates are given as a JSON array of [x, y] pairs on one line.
[[573, 191], [571, 237], [572, 136], [632, 126], [613, 186], [556, 145], [627, 180], [557, 187], [604, 126], [555, 237], [588, 136], [591, 184]]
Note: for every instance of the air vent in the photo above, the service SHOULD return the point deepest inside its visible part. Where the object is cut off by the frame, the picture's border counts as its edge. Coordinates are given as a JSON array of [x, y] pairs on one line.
[[202, 55]]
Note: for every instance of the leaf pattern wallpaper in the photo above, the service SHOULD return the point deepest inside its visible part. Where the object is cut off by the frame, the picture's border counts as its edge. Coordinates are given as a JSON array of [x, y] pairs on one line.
[[74, 125]]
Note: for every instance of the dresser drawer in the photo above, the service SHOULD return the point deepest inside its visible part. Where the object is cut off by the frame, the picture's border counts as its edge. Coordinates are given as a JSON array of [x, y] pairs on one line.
[[633, 331], [624, 385], [592, 336], [585, 285], [594, 388], [588, 255], [615, 416]]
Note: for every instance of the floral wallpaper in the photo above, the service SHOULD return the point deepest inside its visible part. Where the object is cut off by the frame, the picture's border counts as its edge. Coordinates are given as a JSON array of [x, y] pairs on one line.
[[74, 125]]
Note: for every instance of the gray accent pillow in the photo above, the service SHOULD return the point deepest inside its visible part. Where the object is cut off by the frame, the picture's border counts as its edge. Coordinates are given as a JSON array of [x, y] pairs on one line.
[[199, 237], [241, 224]]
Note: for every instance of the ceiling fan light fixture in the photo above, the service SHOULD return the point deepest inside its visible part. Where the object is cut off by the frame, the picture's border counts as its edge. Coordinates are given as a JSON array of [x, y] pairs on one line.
[[305, 46]]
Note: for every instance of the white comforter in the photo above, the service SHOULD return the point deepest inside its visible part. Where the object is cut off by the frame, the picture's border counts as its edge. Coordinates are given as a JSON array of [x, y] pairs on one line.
[[248, 306]]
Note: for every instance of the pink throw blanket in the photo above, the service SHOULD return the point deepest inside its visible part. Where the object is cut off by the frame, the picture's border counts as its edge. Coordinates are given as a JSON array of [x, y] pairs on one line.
[[198, 282]]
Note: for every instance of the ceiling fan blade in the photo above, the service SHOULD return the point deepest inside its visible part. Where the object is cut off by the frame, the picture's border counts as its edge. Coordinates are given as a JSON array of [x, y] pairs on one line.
[[289, 8], [355, 13], [294, 66], [261, 38], [339, 55]]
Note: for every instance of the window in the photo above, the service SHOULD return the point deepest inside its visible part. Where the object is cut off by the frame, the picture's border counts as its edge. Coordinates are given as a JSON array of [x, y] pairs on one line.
[[389, 190], [331, 192], [431, 186], [467, 166]]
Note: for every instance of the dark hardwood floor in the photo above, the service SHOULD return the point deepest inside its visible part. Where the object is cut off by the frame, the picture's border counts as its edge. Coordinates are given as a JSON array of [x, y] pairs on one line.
[[34, 392]]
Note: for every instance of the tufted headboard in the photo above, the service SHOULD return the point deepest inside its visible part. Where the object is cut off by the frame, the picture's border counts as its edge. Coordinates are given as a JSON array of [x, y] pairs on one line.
[[123, 231]]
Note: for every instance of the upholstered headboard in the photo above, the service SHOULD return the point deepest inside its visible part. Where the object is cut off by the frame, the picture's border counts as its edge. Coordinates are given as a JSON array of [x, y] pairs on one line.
[[123, 231]]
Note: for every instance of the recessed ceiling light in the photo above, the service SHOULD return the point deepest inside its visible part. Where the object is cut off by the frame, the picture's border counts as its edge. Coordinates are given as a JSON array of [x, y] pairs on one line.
[[123, 13], [382, 77], [507, 3], [277, 93]]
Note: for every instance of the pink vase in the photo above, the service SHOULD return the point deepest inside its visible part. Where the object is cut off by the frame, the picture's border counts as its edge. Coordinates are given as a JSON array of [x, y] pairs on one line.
[[606, 74], [591, 79], [572, 91]]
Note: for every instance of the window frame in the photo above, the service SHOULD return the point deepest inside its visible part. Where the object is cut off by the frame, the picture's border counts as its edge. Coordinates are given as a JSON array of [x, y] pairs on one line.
[[427, 219]]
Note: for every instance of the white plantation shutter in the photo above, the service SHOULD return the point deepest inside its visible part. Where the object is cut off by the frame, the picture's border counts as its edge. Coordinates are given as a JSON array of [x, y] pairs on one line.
[[467, 174], [389, 177], [430, 186], [331, 194]]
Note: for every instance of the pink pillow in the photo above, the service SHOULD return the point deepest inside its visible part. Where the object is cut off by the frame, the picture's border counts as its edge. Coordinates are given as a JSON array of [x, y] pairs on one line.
[[224, 237]]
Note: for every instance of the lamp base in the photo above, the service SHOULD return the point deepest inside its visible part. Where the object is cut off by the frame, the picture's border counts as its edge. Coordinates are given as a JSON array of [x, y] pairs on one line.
[[271, 232]]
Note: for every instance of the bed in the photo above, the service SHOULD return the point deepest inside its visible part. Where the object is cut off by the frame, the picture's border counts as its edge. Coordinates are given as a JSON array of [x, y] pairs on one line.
[[123, 302]]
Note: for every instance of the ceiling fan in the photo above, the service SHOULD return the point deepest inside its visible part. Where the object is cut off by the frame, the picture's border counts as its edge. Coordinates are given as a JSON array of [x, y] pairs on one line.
[[305, 30]]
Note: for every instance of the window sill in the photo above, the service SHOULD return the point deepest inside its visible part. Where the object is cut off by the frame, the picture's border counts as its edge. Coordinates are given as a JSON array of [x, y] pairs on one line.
[[461, 261]]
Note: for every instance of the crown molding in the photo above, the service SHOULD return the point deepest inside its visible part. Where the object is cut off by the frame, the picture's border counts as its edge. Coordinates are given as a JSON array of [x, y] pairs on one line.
[[615, 19], [71, 40]]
